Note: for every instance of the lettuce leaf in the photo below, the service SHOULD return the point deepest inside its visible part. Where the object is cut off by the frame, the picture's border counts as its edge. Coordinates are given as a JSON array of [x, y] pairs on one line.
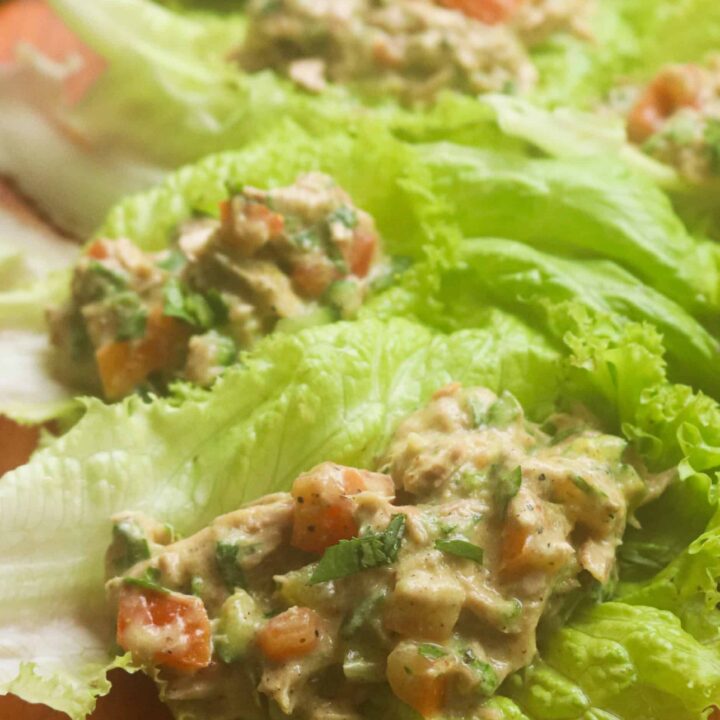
[[577, 207], [31, 277], [619, 661], [329, 393], [537, 286]]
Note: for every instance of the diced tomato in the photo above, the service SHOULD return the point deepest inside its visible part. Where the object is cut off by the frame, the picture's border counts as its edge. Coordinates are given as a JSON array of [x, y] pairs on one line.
[[166, 629], [674, 88], [292, 634], [412, 680], [361, 253], [312, 274], [323, 513], [491, 12], [274, 221], [97, 250], [17, 443], [126, 364]]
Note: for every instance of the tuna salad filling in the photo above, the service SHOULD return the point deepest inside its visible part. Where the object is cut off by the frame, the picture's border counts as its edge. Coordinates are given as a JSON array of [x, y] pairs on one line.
[[138, 320], [676, 119], [421, 584], [408, 48]]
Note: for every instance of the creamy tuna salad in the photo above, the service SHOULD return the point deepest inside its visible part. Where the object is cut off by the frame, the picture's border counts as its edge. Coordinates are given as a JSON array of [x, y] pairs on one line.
[[423, 582], [138, 320], [676, 119], [408, 48]]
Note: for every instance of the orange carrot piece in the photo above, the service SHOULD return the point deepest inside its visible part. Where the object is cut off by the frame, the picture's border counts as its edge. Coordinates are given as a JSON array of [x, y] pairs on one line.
[[175, 626], [292, 634]]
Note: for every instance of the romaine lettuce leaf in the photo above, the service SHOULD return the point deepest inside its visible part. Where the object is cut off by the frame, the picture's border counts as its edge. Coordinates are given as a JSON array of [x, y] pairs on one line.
[[31, 277], [619, 661], [581, 208], [330, 393], [336, 392]]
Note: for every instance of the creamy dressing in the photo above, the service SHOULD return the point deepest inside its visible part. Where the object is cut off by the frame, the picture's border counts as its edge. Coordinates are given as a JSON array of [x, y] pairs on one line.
[[478, 518]]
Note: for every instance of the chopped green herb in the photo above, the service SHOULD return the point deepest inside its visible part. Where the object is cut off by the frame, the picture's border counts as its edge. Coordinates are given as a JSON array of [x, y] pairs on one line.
[[307, 239], [111, 277], [130, 315], [432, 651], [196, 585], [173, 261], [149, 580], [486, 678], [584, 486], [363, 613], [345, 216], [369, 551], [129, 538], [461, 548], [98, 283], [226, 554], [508, 485], [201, 311]]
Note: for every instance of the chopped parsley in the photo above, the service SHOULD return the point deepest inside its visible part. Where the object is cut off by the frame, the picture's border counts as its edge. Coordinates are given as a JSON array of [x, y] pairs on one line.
[[173, 261], [131, 541], [461, 548], [149, 580], [507, 487], [130, 315], [369, 551], [226, 554], [363, 613], [201, 311], [486, 678], [345, 216]]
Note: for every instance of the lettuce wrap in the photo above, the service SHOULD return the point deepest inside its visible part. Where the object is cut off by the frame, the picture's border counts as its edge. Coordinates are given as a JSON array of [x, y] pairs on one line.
[[590, 233], [337, 392]]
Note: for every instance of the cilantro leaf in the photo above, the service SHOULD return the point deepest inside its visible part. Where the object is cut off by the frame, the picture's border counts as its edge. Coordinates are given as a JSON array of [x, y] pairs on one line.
[[226, 554], [362, 553], [149, 580], [131, 543], [201, 311]]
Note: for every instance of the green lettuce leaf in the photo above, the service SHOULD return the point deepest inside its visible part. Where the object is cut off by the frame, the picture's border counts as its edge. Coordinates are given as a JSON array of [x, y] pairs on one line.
[[619, 661], [31, 278], [583, 207], [329, 393]]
